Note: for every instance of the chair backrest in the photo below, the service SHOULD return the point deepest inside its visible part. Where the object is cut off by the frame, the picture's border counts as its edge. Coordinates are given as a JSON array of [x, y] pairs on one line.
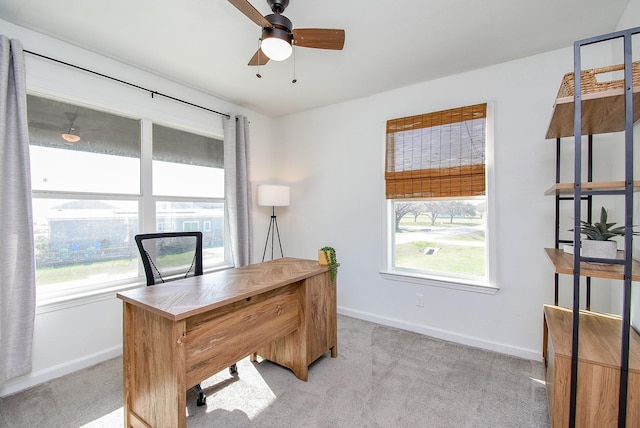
[[171, 255]]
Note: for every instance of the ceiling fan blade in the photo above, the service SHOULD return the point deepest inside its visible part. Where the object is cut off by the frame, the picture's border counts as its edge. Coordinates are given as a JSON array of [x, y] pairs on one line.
[[251, 12], [259, 58], [319, 38]]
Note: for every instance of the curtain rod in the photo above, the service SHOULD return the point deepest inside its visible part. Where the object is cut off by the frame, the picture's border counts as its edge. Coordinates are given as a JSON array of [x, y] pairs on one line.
[[152, 92]]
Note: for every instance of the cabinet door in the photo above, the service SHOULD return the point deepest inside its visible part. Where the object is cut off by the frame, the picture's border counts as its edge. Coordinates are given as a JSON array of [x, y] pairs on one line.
[[321, 317]]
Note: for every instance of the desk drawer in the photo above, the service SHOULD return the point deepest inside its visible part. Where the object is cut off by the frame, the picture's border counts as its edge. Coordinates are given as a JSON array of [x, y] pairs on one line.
[[225, 335]]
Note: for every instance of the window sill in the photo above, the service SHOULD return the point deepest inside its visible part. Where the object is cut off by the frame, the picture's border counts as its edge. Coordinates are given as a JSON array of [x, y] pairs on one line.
[[51, 302], [454, 284]]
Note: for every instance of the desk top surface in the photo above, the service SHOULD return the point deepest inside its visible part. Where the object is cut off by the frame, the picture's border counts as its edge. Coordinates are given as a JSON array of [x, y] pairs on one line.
[[183, 298]]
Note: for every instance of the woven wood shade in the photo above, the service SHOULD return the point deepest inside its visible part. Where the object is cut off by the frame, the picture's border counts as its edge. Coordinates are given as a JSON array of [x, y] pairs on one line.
[[440, 154]]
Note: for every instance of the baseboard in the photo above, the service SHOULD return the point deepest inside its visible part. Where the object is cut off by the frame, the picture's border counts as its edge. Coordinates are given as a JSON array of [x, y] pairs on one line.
[[41, 376], [528, 354], [35, 378]]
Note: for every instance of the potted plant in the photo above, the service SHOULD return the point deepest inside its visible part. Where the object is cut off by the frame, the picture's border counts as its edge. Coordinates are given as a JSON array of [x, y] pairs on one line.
[[327, 256], [598, 244]]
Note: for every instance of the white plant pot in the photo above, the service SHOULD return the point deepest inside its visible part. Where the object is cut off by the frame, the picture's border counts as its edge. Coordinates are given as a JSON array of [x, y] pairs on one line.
[[599, 249]]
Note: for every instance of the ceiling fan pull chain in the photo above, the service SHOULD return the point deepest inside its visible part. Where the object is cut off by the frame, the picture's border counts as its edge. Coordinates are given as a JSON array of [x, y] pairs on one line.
[[294, 65], [259, 49]]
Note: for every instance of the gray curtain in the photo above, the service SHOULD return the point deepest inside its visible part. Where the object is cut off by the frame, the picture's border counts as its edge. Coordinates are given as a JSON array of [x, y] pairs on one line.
[[238, 188], [17, 259]]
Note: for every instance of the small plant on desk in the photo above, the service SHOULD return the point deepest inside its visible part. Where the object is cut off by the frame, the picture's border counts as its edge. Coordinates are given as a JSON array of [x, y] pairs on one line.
[[328, 257]]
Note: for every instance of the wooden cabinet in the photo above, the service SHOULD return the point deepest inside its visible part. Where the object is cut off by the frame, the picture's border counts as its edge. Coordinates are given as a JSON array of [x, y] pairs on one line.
[[598, 369], [318, 329]]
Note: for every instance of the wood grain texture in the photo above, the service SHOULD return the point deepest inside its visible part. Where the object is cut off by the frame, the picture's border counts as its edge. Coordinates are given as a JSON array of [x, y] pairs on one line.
[[177, 334], [318, 331], [598, 369], [563, 263], [601, 113], [319, 38], [550, 381], [190, 296], [157, 372], [240, 329], [321, 320], [565, 189]]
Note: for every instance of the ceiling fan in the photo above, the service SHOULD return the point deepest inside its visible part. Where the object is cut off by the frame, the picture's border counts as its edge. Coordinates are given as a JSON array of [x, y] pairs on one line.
[[279, 36]]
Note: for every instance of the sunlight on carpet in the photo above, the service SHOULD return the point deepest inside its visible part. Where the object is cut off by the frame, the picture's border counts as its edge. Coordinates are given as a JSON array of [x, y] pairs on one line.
[[113, 419], [540, 381], [227, 394]]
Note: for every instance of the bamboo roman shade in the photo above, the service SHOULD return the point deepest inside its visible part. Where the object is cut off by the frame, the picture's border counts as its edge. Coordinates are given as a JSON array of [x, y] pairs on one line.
[[440, 154]]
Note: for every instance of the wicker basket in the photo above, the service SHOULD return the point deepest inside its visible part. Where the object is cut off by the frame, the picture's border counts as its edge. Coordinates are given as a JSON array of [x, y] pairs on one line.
[[589, 83]]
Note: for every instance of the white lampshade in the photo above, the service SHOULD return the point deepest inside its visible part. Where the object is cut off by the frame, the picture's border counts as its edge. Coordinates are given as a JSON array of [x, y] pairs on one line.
[[276, 48], [273, 196]]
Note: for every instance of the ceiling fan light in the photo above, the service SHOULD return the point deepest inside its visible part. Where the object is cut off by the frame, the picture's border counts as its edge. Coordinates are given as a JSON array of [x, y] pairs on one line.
[[70, 138], [276, 44]]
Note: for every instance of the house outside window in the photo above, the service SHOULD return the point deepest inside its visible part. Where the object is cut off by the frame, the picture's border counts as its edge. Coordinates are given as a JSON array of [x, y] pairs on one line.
[[437, 196], [89, 198]]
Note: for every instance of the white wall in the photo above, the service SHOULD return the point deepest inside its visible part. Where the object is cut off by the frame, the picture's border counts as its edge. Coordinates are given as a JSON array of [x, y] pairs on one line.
[[631, 16], [333, 157], [69, 336]]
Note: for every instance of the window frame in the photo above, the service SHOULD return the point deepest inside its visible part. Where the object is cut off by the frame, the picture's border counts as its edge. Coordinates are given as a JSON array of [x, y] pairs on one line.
[[56, 299], [488, 286]]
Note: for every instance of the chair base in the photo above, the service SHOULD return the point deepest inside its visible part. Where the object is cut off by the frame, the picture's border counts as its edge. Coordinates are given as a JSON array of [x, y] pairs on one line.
[[202, 399]]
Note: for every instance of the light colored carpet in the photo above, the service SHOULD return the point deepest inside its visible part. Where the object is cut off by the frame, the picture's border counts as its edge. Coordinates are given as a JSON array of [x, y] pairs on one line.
[[383, 377]]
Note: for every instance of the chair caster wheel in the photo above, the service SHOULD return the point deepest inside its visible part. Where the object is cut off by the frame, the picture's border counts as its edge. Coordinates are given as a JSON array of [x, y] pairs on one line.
[[201, 401], [233, 370]]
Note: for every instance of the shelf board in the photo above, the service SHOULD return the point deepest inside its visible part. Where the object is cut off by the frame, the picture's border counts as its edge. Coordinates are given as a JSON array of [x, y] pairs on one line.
[[563, 263], [600, 337], [602, 112], [569, 188]]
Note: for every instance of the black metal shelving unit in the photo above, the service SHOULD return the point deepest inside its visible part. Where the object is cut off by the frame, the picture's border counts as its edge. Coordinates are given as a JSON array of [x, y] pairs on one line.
[[559, 199], [586, 193]]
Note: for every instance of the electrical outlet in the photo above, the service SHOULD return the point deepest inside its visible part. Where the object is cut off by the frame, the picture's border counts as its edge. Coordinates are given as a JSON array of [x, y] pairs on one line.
[[420, 299]]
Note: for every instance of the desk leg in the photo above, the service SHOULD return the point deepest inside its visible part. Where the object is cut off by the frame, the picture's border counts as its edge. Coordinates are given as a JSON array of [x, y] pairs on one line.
[[154, 370], [127, 357]]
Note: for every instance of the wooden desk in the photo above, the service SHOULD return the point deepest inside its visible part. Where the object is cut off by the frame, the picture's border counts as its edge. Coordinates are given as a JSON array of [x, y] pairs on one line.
[[179, 333]]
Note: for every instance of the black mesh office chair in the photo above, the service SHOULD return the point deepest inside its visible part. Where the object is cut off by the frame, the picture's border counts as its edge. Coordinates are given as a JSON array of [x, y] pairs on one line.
[[169, 256]]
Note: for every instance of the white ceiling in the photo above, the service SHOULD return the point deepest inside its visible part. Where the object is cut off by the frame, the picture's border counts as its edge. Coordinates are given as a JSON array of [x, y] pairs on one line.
[[206, 44]]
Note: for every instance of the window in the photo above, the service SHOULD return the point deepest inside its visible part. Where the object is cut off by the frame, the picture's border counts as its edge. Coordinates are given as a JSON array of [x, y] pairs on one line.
[[89, 200], [76, 149], [436, 181], [187, 164], [81, 242]]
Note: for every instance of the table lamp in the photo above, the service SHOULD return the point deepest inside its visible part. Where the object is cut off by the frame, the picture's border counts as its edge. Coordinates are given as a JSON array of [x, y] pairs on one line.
[[273, 196]]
